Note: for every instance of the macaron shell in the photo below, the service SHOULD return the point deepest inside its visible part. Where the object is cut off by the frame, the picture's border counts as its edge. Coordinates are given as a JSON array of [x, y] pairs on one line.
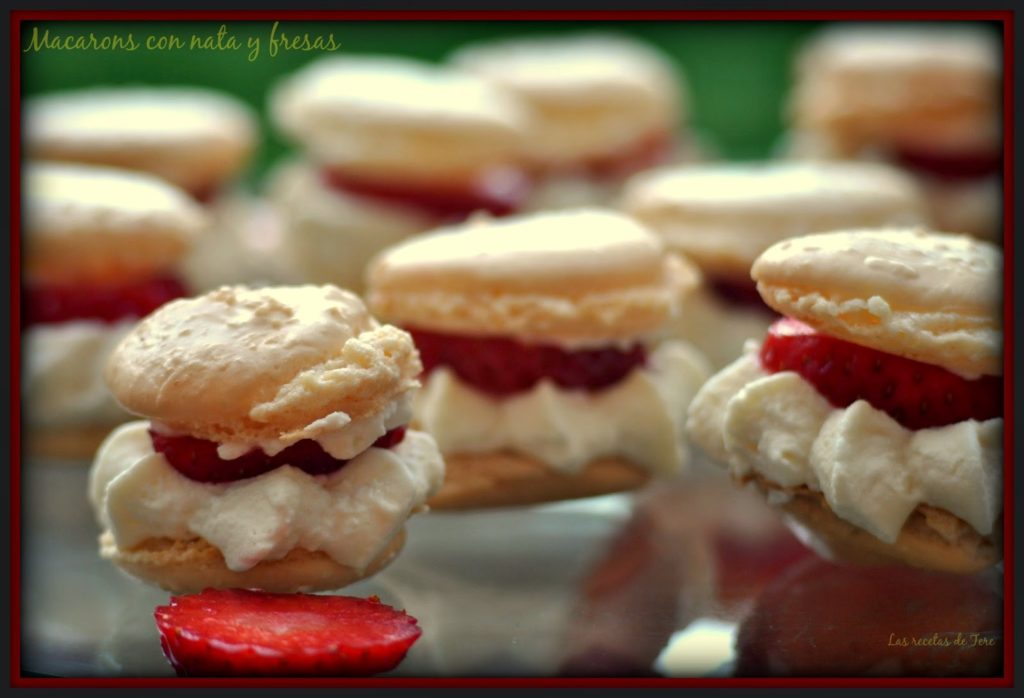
[[586, 275], [863, 84], [192, 137], [189, 566], [724, 216], [378, 116], [931, 297], [474, 481], [587, 95], [247, 365], [85, 223]]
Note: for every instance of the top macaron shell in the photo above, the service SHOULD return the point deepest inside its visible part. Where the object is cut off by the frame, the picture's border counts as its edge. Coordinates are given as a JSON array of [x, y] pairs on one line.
[[192, 137], [723, 216], [927, 296], [583, 275], [921, 84], [588, 95], [379, 115], [249, 365], [84, 223]]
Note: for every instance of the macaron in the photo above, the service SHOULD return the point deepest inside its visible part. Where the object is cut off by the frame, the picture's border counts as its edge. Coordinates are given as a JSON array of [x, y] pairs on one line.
[[541, 381], [274, 453], [195, 138], [600, 107], [928, 100], [872, 413], [101, 248], [402, 146], [722, 216]]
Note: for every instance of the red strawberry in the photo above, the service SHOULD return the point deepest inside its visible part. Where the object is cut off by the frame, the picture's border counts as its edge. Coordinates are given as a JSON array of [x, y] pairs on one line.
[[500, 192], [915, 394], [197, 459], [503, 366], [738, 292], [950, 166], [53, 303], [238, 632]]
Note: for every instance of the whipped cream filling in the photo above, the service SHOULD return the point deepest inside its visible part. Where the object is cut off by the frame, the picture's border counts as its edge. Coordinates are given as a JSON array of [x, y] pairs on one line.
[[640, 418], [338, 434], [351, 514], [62, 382], [872, 471], [329, 236]]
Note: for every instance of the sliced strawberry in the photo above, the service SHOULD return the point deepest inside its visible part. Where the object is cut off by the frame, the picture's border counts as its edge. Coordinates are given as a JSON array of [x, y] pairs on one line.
[[47, 303], [741, 293], [197, 459], [238, 632], [950, 166], [915, 394], [649, 152], [503, 366], [500, 192]]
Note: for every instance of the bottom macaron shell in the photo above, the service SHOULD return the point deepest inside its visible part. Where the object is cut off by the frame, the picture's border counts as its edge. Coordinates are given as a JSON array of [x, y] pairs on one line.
[[958, 548], [506, 479], [187, 567]]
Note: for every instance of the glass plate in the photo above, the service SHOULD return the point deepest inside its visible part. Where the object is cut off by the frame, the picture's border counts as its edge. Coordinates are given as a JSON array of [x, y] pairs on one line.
[[688, 578]]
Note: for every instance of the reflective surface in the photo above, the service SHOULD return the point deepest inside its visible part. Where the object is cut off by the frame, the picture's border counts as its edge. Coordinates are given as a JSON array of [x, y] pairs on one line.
[[690, 578]]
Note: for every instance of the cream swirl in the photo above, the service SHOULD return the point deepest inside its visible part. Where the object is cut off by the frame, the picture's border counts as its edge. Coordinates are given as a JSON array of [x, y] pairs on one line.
[[351, 514], [640, 418], [872, 471]]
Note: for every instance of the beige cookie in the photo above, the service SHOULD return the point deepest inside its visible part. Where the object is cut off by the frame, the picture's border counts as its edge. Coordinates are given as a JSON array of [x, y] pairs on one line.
[[582, 276], [192, 137], [189, 566], [251, 365], [931, 297], [376, 117], [722, 216], [85, 223], [588, 96], [474, 481], [931, 538], [864, 85]]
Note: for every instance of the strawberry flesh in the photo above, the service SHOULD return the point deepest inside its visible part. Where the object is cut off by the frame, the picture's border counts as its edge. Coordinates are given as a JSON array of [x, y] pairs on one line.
[[48, 303], [949, 166], [197, 459], [741, 293], [654, 150], [502, 366], [915, 394], [500, 192], [239, 632]]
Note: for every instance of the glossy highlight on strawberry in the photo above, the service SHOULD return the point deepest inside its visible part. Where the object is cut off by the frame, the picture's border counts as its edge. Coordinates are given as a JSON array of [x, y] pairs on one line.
[[915, 394], [240, 632], [197, 459], [502, 366], [47, 303]]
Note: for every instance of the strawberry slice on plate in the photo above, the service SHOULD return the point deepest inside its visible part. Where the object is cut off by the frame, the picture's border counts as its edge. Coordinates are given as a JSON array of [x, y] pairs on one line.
[[238, 632]]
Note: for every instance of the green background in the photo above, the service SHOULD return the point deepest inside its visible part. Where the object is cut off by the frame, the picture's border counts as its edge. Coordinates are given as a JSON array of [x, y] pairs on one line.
[[738, 73]]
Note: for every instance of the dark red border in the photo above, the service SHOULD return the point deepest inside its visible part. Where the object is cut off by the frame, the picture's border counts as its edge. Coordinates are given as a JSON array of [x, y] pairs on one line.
[[1008, 361], [1005, 17]]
